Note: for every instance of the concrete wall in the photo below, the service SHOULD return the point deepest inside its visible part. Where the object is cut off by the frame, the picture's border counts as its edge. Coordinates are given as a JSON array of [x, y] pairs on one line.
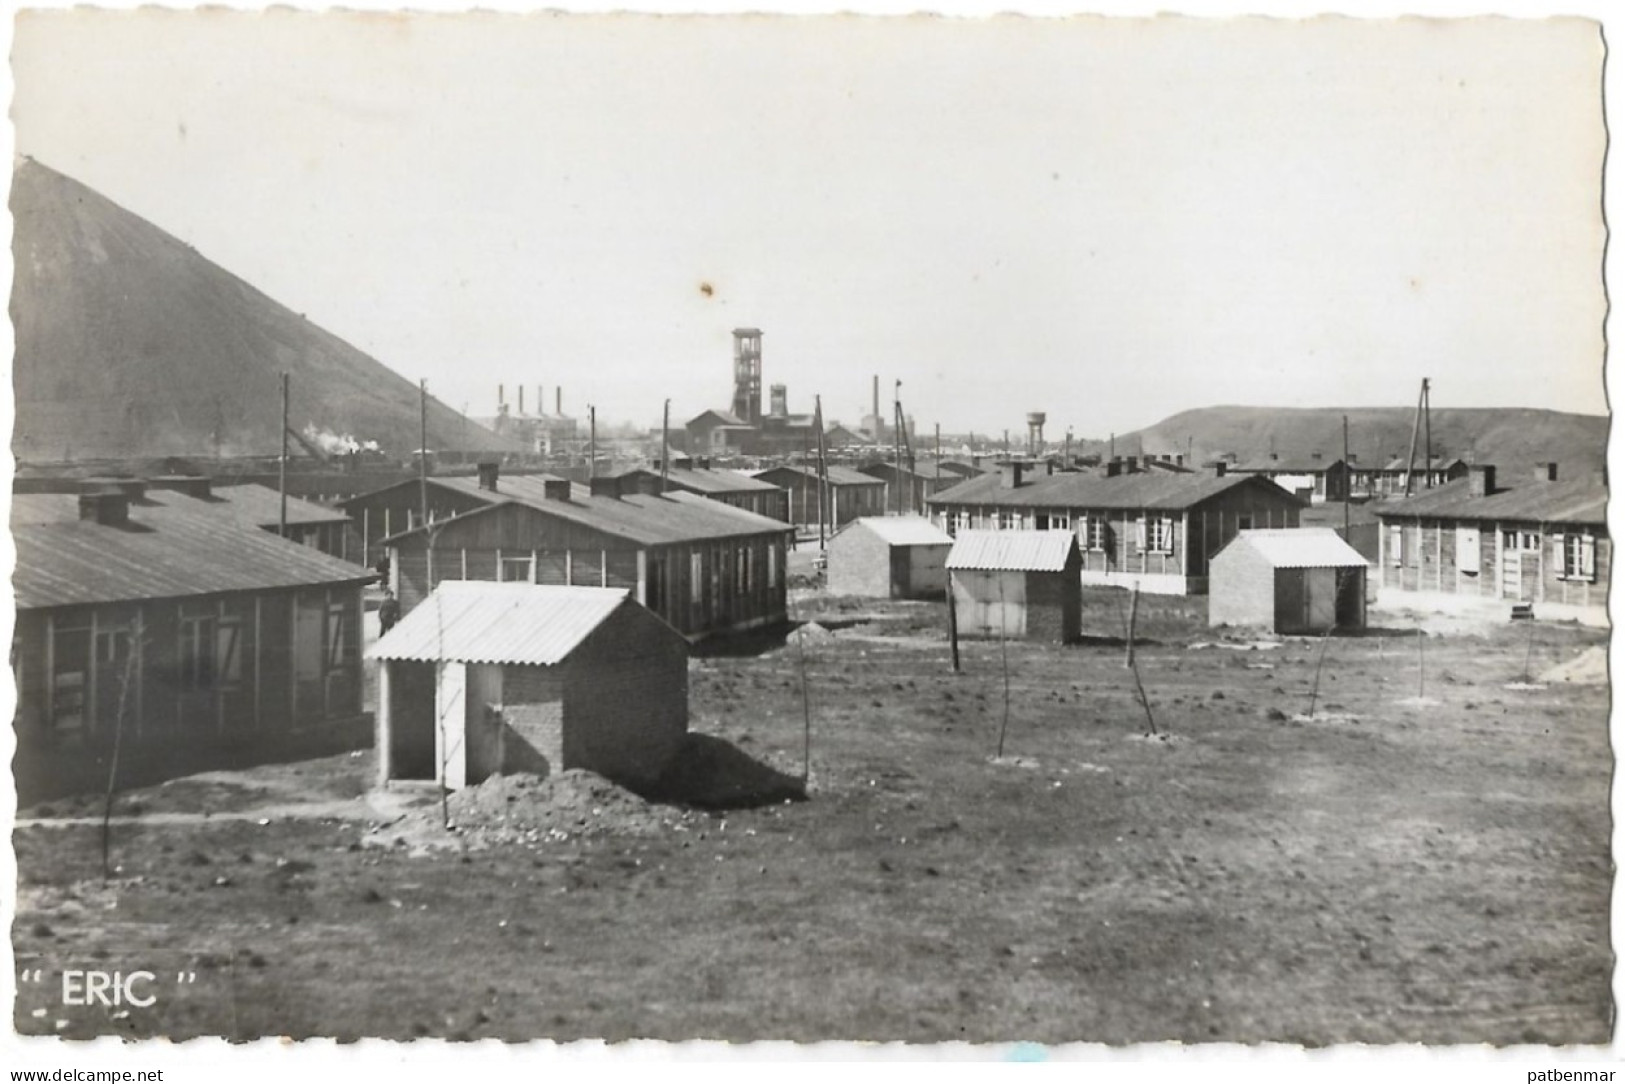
[[626, 697], [1241, 589], [859, 563]]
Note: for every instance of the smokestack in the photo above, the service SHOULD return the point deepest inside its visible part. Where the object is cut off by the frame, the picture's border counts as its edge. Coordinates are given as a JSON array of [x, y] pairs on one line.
[[541, 400], [876, 411], [1481, 480], [521, 388], [502, 397], [558, 399]]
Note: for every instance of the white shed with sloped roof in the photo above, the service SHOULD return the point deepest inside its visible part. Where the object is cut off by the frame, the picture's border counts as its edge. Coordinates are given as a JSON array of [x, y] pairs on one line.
[[1299, 580]]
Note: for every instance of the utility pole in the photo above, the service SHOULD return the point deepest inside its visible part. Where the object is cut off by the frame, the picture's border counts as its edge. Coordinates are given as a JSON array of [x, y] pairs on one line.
[[1416, 425], [823, 469], [897, 442], [1427, 425], [423, 451], [1346, 484], [665, 446], [937, 482], [282, 466]]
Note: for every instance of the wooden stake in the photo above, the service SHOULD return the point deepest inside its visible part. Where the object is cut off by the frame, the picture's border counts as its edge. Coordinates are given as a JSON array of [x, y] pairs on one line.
[[282, 466], [1004, 663], [953, 623], [112, 767], [1133, 610]]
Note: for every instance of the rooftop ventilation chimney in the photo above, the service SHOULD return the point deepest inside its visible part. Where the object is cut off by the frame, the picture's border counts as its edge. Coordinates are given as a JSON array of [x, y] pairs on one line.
[[1546, 472], [488, 473], [1219, 468], [556, 489], [1481, 480], [605, 486], [1010, 474], [108, 507], [1114, 467]]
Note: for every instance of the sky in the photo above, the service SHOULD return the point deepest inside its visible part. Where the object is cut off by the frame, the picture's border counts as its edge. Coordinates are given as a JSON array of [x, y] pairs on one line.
[[1110, 220]]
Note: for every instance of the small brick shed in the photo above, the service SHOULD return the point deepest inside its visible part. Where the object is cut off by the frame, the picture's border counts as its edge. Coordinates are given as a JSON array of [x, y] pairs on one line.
[[495, 678], [1298, 580], [1017, 584], [889, 557]]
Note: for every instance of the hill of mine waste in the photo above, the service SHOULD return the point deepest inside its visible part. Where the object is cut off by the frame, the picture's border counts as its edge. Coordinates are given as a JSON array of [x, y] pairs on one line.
[[130, 343], [1509, 437]]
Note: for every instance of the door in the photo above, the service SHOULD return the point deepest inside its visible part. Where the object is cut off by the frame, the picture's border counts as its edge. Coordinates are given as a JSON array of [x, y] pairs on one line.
[[900, 585], [1511, 574]]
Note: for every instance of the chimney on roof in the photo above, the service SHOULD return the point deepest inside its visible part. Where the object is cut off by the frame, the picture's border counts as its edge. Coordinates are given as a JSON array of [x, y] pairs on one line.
[[1481, 480], [1010, 474], [702, 462], [1131, 463], [109, 507], [1314, 455], [1114, 467], [1179, 459], [1546, 472], [605, 485], [556, 489], [1353, 458], [1219, 468], [558, 399], [488, 471], [1274, 457]]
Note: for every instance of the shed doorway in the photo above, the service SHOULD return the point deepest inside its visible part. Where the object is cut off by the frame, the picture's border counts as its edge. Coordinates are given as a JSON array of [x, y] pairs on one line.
[[411, 731]]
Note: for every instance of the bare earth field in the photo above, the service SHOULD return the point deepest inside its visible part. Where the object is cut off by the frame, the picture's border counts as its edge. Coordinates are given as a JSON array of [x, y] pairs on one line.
[[1388, 870]]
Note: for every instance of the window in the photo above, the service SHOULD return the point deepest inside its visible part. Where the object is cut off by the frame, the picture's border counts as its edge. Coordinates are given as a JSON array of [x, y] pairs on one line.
[[227, 650], [338, 638], [1157, 534], [961, 521], [1579, 557], [198, 646], [1396, 545], [1092, 532], [1009, 521], [1521, 541], [1060, 521], [517, 570]]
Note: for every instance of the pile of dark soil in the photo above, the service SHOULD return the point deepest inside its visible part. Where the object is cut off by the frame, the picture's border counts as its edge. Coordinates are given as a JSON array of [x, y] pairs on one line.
[[569, 804]]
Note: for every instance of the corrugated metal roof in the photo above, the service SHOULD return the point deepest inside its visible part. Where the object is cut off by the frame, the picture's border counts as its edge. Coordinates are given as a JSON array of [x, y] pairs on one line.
[[904, 530], [482, 622], [647, 519], [702, 480], [1291, 464], [839, 475], [1015, 551], [1081, 490], [262, 505], [1579, 500], [1301, 547], [174, 547]]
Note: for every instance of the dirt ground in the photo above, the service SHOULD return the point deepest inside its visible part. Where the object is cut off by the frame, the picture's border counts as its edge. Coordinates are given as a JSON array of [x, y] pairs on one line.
[[1417, 858]]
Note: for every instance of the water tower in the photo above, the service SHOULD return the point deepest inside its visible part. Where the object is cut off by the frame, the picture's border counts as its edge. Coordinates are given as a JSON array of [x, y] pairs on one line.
[[1035, 432]]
